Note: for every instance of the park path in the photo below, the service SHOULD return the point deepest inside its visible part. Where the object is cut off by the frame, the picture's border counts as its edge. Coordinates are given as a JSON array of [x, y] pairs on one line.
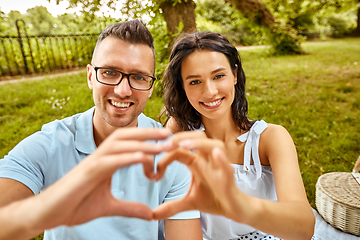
[[42, 76], [76, 70]]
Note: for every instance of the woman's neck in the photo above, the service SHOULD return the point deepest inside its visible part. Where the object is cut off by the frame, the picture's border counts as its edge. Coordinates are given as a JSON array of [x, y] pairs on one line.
[[223, 128]]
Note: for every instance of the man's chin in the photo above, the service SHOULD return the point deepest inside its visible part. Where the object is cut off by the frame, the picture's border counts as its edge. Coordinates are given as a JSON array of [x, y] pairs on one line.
[[124, 122]]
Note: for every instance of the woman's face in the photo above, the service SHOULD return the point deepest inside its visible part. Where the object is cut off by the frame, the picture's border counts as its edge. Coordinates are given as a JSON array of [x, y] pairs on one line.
[[209, 83]]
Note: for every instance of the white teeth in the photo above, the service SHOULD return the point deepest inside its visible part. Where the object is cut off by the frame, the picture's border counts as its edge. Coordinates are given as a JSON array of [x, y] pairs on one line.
[[211, 104], [120, 105]]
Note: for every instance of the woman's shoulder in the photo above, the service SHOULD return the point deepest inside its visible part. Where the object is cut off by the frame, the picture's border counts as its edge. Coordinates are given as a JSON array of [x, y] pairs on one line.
[[275, 134], [275, 128]]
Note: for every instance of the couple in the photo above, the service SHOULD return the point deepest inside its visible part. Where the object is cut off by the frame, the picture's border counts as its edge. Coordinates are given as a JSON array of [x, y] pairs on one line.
[[88, 164]]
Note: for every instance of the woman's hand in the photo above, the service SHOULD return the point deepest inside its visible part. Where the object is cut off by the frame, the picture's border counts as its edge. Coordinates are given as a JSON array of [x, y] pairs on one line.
[[212, 189]]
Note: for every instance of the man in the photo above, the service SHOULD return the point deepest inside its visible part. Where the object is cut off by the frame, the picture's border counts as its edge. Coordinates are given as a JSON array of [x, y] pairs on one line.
[[121, 77]]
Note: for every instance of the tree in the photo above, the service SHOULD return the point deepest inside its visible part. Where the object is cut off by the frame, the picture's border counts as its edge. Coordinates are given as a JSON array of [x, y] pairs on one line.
[[12, 17], [255, 10], [357, 30], [180, 15], [181, 12], [302, 14], [42, 22]]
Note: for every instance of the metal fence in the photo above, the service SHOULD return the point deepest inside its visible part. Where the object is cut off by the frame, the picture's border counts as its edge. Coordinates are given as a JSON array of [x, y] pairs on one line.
[[24, 54]]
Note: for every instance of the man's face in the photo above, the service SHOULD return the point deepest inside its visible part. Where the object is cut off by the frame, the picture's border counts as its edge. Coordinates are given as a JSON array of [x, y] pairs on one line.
[[119, 106]]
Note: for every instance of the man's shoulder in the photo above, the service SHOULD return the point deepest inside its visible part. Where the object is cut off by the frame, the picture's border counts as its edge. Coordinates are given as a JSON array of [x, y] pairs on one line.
[[146, 122], [68, 123]]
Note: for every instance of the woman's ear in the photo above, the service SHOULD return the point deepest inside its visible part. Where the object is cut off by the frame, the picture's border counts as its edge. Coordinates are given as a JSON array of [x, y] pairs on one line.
[[235, 74]]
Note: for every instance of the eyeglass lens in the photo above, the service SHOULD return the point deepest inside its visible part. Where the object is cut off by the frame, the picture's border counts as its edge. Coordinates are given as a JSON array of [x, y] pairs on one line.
[[113, 77]]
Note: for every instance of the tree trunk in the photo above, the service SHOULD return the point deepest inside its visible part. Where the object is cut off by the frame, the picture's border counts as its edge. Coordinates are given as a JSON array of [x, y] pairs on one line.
[[254, 10], [357, 30], [181, 12]]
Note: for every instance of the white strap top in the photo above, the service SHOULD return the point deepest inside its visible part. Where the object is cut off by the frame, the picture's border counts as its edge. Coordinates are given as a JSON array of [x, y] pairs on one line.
[[252, 138], [255, 180]]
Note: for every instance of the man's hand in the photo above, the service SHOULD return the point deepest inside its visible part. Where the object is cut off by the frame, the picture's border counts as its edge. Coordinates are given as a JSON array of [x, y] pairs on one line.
[[84, 193]]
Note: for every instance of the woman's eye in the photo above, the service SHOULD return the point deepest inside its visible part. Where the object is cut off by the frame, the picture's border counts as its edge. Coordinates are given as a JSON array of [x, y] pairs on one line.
[[219, 76], [194, 82]]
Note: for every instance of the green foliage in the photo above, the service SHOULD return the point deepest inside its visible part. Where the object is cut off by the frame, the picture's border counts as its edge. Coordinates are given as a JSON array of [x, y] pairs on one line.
[[38, 21], [285, 41], [162, 41], [41, 21], [326, 18], [340, 26], [221, 17]]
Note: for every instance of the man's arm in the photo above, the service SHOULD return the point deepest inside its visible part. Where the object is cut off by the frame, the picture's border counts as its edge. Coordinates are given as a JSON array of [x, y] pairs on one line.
[[178, 229], [87, 186], [12, 190]]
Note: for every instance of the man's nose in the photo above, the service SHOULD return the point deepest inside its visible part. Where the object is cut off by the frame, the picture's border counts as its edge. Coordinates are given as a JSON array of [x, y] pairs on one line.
[[123, 88]]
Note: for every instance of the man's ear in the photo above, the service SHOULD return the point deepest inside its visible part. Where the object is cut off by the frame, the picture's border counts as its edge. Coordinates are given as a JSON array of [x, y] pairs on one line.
[[151, 90], [90, 76]]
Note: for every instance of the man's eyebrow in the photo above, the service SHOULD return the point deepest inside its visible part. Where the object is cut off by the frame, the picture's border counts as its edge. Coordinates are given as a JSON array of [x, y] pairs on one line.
[[135, 71], [213, 72]]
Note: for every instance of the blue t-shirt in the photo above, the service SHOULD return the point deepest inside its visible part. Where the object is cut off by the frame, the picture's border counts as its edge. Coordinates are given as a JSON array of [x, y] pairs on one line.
[[44, 157]]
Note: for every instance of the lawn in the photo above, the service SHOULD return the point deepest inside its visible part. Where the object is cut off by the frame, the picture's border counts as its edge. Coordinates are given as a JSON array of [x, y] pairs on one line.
[[316, 96]]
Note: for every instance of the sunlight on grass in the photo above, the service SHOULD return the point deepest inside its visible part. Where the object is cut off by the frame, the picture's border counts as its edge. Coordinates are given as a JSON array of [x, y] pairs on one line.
[[315, 96]]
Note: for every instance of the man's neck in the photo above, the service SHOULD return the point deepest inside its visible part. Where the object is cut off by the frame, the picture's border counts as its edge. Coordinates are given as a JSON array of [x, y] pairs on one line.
[[101, 129]]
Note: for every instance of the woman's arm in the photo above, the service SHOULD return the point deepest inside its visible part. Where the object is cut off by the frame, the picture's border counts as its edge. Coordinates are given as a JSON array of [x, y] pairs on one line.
[[291, 217]]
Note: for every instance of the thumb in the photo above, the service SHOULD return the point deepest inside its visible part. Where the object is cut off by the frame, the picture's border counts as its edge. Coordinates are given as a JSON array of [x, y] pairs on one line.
[[171, 208], [130, 209]]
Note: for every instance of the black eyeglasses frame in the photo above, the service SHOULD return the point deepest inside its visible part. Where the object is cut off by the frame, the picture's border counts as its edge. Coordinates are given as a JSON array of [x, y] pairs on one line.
[[127, 75]]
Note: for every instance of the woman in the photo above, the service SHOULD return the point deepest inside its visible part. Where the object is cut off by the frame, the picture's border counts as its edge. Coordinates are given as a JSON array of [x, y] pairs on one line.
[[204, 88]]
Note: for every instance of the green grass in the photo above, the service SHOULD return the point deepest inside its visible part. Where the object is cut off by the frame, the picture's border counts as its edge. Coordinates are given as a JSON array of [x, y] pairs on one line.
[[315, 96]]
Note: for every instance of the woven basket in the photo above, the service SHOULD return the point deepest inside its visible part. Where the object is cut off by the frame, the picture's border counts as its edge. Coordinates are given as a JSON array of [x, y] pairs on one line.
[[338, 199]]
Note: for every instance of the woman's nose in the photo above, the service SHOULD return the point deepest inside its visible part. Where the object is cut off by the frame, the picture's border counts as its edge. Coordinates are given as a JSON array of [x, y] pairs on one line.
[[210, 89]]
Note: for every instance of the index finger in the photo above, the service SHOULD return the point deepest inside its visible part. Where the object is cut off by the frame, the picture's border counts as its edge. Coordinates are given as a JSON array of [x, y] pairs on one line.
[[140, 134], [204, 145], [180, 136]]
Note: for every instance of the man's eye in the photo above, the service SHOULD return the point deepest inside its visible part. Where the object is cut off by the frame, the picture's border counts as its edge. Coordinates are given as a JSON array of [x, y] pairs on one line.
[[110, 73], [219, 76], [139, 78], [194, 82]]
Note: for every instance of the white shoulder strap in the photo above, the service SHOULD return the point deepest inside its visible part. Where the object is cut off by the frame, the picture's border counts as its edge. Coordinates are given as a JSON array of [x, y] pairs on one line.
[[252, 138]]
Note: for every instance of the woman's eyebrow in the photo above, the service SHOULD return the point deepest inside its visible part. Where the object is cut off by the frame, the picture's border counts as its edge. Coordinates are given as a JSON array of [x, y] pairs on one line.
[[218, 70], [192, 76], [213, 72]]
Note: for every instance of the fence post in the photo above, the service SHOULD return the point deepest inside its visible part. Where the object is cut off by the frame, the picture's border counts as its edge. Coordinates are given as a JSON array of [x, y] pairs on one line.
[[21, 44]]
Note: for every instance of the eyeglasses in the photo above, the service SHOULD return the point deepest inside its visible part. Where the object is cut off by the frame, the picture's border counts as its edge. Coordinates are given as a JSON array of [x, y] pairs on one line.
[[113, 77]]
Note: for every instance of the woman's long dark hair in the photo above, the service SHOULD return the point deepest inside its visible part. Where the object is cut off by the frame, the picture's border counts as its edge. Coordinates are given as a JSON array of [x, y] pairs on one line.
[[176, 103]]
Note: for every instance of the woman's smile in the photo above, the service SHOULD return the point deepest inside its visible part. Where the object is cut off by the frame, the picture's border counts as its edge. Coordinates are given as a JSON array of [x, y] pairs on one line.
[[212, 104]]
